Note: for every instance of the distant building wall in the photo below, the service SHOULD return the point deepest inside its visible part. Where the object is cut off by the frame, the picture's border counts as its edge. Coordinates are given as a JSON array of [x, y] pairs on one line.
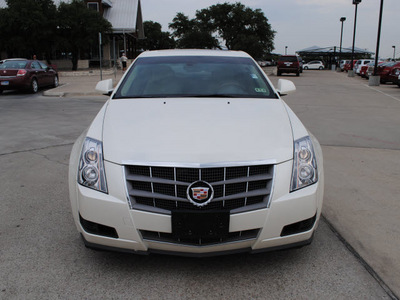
[[66, 64]]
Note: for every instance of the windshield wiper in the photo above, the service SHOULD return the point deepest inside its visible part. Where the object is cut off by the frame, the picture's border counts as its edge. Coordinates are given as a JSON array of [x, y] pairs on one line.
[[214, 96]]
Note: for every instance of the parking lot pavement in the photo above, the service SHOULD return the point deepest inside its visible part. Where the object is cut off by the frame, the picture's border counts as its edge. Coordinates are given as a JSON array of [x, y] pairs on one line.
[[358, 127]]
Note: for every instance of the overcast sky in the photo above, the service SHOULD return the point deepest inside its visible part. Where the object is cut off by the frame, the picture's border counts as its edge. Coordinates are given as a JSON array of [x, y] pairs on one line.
[[303, 23]]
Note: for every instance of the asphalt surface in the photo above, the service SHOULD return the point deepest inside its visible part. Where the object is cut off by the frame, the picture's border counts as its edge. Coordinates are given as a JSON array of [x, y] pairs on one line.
[[354, 253]]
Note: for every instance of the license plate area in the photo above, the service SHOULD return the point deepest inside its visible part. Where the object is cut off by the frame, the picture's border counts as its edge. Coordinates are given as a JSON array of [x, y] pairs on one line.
[[5, 83], [200, 225]]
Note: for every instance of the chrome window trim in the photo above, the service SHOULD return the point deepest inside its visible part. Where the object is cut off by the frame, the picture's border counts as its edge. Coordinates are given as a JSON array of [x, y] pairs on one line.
[[204, 165]]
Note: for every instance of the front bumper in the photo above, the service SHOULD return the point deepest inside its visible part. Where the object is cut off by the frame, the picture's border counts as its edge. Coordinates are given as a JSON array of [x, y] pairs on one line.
[[258, 230]]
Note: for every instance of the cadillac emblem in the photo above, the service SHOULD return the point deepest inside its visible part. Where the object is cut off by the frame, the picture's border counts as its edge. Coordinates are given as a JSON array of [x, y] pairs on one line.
[[200, 193]]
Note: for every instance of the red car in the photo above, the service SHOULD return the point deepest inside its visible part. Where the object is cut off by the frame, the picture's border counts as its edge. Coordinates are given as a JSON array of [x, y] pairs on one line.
[[364, 70], [385, 69], [23, 74], [347, 66], [394, 76], [288, 64]]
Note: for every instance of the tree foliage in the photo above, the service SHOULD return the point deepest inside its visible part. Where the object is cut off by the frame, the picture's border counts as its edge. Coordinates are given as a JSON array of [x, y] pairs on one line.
[[31, 27], [79, 27], [28, 27], [156, 39], [192, 33], [240, 27]]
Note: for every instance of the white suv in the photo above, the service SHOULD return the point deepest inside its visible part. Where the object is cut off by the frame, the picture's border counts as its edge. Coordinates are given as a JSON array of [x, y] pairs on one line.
[[195, 153], [361, 62]]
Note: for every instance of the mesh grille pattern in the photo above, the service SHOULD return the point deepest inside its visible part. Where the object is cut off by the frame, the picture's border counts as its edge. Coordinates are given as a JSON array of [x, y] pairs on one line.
[[168, 237], [162, 189]]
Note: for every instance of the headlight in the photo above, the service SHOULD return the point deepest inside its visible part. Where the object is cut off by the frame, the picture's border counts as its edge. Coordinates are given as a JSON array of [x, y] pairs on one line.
[[305, 170], [91, 166]]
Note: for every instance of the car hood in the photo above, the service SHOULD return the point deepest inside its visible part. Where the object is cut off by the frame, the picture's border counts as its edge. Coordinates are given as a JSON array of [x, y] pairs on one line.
[[196, 131]]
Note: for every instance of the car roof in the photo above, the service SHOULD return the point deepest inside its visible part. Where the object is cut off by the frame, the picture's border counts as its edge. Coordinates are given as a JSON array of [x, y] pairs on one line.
[[11, 59], [194, 52]]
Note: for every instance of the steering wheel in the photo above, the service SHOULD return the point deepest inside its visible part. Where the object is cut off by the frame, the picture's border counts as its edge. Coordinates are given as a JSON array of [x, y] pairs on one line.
[[231, 87]]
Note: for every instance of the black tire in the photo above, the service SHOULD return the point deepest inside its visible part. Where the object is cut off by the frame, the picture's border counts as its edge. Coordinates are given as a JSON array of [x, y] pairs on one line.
[[279, 73], [34, 86], [305, 68], [56, 83], [320, 68], [298, 73]]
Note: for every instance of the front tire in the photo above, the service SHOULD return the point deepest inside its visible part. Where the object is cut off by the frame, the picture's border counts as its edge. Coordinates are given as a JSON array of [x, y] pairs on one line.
[[320, 68], [34, 86], [305, 68]]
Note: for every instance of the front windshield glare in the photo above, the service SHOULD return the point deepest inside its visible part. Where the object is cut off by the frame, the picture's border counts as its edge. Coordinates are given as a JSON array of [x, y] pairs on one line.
[[194, 76]]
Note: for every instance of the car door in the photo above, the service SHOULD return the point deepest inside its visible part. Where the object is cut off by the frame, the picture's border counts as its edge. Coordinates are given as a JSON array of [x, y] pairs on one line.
[[39, 73], [313, 65], [48, 77]]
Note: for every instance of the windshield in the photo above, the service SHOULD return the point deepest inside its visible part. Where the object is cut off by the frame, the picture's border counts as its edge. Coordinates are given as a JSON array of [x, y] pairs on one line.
[[288, 58], [194, 76], [13, 64]]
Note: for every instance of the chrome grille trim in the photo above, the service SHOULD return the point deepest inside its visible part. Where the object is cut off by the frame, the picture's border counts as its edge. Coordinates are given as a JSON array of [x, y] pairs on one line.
[[160, 189]]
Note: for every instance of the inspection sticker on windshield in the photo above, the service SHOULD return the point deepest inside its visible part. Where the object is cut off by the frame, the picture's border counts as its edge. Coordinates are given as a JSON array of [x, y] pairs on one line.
[[254, 76], [260, 90]]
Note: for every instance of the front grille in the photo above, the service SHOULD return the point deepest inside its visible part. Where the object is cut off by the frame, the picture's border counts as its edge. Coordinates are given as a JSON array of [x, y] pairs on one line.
[[170, 238], [162, 189]]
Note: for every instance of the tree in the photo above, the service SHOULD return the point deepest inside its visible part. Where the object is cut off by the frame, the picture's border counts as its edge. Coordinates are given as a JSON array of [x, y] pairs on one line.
[[240, 27], [28, 27], [79, 27], [155, 38], [192, 33]]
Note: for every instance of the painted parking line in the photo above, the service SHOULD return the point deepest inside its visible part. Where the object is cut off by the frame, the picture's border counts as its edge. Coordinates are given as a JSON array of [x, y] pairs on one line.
[[393, 97]]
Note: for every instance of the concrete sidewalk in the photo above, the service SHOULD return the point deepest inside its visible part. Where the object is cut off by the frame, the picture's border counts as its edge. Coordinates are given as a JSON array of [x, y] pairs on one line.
[[82, 83], [361, 180]]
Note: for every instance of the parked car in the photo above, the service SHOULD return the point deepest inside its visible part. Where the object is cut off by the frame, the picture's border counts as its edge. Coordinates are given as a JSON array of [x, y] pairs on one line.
[[342, 63], [385, 69], [288, 64], [360, 63], [301, 63], [23, 74], [314, 65], [347, 66], [364, 70], [168, 164], [371, 67], [394, 76]]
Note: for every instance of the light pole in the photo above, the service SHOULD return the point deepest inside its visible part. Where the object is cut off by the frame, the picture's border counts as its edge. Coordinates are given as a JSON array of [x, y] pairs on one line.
[[342, 19], [351, 71], [394, 53], [374, 80], [285, 50]]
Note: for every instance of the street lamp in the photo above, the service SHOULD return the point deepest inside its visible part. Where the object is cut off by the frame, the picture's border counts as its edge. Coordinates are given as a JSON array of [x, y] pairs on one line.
[[374, 79], [394, 53], [342, 19], [351, 72], [285, 50]]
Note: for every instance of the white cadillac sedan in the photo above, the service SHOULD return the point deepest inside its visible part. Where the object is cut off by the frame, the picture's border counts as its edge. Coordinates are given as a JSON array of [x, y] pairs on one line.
[[195, 153]]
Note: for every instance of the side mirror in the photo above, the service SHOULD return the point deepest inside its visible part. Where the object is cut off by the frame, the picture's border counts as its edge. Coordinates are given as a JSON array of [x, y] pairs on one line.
[[105, 87], [285, 87]]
